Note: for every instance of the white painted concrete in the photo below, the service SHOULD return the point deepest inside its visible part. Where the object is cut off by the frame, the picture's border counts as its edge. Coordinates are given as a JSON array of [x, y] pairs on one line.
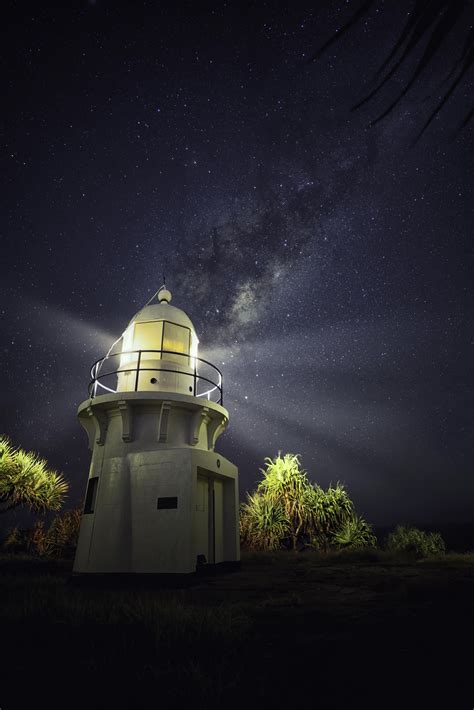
[[163, 495]]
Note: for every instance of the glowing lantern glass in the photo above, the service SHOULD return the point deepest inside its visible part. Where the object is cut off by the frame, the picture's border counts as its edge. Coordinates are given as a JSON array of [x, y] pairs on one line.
[[158, 355]]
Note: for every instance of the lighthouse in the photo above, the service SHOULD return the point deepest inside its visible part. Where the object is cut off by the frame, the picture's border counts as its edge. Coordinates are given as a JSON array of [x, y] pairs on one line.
[[159, 498]]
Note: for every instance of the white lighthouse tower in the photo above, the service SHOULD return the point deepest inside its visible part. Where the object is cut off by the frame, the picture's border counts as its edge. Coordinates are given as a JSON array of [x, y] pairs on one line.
[[159, 498]]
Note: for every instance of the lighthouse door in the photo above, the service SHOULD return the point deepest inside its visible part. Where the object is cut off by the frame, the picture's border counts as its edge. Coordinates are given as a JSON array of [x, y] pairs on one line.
[[202, 520], [218, 521], [209, 520]]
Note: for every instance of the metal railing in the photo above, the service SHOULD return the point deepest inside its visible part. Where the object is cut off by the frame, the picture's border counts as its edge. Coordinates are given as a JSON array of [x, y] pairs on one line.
[[101, 374]]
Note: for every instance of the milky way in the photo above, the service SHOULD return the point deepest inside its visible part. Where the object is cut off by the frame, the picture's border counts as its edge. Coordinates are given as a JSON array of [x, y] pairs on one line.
[[324, 264]]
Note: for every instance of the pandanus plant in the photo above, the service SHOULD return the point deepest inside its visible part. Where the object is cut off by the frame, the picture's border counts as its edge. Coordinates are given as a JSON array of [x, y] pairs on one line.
[[263, 525], [285, 484], [328, 511], [355, 533], [288, 508], [27, 480]]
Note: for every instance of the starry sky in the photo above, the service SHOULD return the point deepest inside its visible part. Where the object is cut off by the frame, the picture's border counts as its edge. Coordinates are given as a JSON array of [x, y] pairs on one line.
[[323, 261]]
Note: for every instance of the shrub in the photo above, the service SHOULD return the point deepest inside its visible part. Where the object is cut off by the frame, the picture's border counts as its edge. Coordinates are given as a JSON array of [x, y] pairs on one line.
[[328, 510], [263, 524], [288, 510], [63, 533], [284, 485], [59, 540], [355, 533], [15, 540], [32, 541], [415, 542]]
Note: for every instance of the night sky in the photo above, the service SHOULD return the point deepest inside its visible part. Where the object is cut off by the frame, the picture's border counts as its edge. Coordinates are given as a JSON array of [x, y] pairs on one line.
[[325, 263]]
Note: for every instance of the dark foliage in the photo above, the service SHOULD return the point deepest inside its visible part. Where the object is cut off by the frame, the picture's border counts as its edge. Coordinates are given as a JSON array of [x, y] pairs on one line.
[[430, 22]]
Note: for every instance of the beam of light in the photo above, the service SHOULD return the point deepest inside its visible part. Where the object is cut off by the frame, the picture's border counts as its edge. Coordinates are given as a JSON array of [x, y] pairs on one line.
[[334, 392], [64, 330], [365, 425], [67, 345]]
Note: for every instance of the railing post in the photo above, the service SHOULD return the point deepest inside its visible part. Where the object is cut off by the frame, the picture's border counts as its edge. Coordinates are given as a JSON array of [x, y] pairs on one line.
[[138, 370], [194, 390]]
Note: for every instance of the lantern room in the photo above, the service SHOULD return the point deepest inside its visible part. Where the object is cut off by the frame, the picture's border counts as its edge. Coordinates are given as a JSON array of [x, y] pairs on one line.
[[157, 352], [159, 348]]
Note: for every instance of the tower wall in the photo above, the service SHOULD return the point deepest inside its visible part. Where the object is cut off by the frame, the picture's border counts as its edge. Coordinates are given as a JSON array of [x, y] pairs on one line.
[[153, 469]]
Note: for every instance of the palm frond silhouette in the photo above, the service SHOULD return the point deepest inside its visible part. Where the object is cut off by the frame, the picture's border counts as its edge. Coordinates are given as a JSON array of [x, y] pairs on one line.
[[430, 22]]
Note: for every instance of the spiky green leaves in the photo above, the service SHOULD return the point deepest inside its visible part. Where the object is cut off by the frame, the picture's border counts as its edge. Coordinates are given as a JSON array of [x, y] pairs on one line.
[[287, 509], [263, 524], [329, 510], [355, 533], [25, 479], [285, 484]]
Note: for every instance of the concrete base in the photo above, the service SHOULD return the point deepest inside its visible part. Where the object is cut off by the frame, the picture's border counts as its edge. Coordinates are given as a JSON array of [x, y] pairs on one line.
[[153, 580], [160, 512]]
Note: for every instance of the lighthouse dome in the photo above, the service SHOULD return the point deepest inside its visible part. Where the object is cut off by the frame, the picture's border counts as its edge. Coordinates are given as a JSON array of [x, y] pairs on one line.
[[160, 345], [163, 311]]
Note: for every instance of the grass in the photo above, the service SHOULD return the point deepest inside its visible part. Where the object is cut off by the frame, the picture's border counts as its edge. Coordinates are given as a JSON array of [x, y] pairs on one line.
[[324, 630]]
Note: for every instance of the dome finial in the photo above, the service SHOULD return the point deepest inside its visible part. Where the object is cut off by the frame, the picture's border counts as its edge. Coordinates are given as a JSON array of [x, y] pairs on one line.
[[164, 296]]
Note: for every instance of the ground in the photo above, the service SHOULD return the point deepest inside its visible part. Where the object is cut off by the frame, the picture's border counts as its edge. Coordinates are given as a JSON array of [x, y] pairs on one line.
[[332, 631]]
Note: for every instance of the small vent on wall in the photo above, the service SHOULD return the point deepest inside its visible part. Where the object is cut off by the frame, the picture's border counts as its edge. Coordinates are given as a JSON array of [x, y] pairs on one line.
[[167, 503]]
